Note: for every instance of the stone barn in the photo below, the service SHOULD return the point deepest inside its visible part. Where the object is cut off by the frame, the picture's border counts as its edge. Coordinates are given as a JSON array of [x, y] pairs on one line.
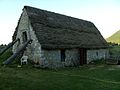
[[58, 40]]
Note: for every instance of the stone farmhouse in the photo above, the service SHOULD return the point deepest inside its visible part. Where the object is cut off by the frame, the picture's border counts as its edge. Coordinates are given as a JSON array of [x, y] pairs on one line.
[[58, 40]]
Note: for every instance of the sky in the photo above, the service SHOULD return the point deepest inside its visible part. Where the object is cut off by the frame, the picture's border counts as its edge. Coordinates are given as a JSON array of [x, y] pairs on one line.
[[105, 14]]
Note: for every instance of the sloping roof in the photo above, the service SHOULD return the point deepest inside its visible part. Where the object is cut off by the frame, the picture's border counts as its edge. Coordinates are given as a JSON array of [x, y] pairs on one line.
[[60, 31]]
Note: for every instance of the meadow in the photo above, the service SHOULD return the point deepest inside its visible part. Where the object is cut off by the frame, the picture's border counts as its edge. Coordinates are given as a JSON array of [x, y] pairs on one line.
[[87, 77], [95, 76]]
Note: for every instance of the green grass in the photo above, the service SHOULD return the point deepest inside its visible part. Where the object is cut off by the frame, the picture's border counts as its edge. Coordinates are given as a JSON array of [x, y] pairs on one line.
[[96, 76], [88, 77]]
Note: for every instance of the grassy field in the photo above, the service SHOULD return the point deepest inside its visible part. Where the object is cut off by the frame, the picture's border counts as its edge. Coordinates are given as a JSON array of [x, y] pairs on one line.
[[88, 77], [96, 76]]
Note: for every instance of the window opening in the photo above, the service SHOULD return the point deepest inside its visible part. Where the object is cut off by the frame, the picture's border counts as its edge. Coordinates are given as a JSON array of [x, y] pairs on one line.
[[24, 37], [62, 55]]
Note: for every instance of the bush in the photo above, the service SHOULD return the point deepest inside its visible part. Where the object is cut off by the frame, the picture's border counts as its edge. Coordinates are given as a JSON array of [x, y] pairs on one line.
[[115, 50]]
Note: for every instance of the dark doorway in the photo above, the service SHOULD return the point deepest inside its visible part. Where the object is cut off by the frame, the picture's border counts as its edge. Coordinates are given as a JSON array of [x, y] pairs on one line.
[[24, 35], [83, 56], [62, 55]]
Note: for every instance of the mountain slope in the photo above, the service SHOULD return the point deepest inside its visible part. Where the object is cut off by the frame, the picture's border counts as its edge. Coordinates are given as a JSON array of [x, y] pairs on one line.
[[115, 38]]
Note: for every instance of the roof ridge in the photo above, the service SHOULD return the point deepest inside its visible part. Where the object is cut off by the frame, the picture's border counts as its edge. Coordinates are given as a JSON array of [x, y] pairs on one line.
[[26, 7], [54, 30]]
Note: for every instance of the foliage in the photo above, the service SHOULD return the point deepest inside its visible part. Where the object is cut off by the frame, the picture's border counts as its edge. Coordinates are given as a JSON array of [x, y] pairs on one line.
[[5, 55], [115, 50], [2, 46], [113, 44]]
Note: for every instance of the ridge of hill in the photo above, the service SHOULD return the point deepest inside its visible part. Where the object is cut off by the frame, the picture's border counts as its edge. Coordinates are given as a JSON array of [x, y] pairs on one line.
[[115, 38]]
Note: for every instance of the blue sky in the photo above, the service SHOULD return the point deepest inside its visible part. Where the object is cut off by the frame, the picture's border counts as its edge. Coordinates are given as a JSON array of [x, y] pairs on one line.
[[105, 14]]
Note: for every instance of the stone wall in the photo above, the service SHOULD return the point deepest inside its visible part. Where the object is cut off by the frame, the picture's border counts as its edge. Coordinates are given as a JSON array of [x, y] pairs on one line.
[[52, 58], [97, 54], [33, 50], [72, 57], [22, 27]]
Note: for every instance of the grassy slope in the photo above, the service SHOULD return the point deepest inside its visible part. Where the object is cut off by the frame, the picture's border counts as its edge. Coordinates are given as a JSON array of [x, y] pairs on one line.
[[114, 38]]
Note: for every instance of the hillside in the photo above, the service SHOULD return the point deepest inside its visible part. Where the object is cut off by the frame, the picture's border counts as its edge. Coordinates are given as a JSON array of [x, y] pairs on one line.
[[115, 38]]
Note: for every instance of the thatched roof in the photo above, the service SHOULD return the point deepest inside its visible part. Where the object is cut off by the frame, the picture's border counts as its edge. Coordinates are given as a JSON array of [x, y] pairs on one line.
[[60, 31]]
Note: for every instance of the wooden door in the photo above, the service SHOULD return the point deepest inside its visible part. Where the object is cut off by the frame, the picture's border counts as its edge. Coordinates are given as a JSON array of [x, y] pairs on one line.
[[83, 56]]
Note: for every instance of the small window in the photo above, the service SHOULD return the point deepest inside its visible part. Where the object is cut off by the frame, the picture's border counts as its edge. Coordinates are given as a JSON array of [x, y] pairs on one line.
[[62, 55], [24, 36]]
